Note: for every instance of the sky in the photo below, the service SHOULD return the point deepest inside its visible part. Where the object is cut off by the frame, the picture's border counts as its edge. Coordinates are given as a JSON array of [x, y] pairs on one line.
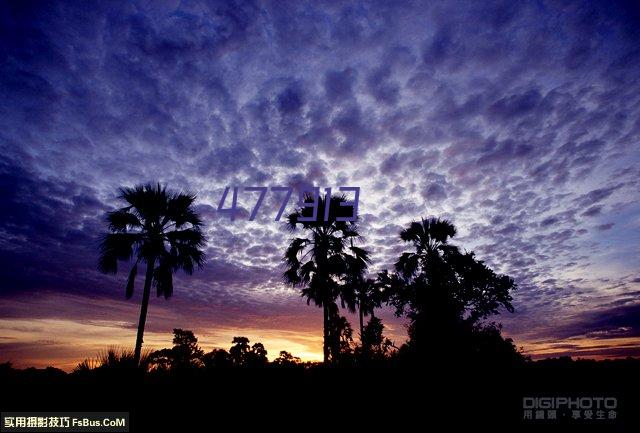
[[517, 121]]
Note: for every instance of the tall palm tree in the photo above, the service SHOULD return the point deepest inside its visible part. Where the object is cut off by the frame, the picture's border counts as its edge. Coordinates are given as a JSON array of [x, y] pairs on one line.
[[318, 262], [429, 265], [430, 239], [359, 292], [159, 229], [369, 296]]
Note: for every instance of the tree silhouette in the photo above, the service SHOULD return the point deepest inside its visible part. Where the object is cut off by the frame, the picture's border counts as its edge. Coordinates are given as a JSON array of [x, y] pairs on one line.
[[365, 294], [161, 360], [243, 355], [443, 291], [318, 262], [257, 356], [341, 328], [374, 343], [285, 359], [159, 229], [369, 295], [239, 350], [217, 358], [184, 354]]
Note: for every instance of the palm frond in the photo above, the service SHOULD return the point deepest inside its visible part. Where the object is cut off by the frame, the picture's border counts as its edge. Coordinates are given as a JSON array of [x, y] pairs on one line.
[[293, 250], [163, 278], [307, 271], [412, 233], [150, 201], [441, 230], [290, 276], [292, 220], [149, 208], [191, 236], [407, 264], [361, 254], [122, 219], [179, 210], [114, 247]]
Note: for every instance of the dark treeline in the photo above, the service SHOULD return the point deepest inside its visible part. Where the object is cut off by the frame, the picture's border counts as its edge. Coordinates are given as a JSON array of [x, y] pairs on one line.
[[181, 392], [446, 294]]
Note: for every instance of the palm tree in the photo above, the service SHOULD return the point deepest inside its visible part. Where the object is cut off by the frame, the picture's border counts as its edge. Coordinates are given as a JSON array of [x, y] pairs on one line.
[[159, 229], [359, 292], [369, 296], [430, 239], [318, 262], [429, 267]]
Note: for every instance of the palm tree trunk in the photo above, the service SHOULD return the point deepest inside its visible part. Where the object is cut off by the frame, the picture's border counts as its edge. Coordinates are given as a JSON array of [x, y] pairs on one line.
[[361, 314], [325, 344], [143, 310]]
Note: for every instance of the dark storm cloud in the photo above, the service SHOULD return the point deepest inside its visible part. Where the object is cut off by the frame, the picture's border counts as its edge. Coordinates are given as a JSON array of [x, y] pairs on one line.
[[516, 120], [604, 323], [50, 232]]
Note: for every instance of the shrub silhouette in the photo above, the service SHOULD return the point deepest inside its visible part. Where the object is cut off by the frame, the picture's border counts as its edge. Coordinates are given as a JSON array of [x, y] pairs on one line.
[[113, 360]]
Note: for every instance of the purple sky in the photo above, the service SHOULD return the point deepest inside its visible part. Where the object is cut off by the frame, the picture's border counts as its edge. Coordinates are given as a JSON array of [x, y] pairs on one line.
[[518, 121]]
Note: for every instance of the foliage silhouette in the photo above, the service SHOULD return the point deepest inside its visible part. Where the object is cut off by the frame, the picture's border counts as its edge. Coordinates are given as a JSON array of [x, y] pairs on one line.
[[485, 394], [444, 292], [113, 361], [159, 229], [244, 355], [374, 344], [185, 353], [217, 358], [369, 295], [285, 359], [341, 329]]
